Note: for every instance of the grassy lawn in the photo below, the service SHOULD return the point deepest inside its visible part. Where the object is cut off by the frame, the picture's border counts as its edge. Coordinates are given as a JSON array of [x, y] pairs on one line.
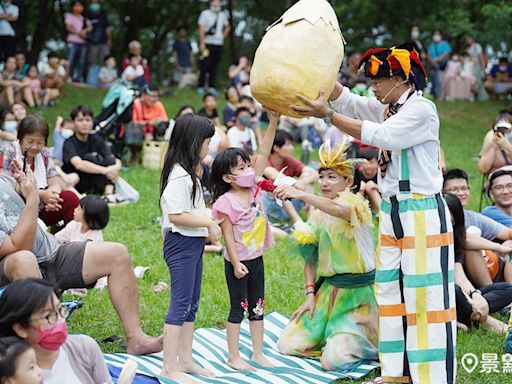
[[463, 126]]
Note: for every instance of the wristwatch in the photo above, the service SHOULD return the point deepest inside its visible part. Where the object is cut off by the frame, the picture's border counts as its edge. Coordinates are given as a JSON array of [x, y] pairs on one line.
[[328, 118], [475, 291]]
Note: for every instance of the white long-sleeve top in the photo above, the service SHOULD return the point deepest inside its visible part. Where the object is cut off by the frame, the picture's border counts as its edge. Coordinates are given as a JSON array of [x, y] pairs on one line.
[[414, 127]]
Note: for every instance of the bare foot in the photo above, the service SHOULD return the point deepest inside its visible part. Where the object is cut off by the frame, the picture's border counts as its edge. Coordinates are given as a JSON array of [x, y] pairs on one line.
[[191, 367], [462, 327], [145, 345], [240, 365], [495, 325], [179, 377], [262, 360]]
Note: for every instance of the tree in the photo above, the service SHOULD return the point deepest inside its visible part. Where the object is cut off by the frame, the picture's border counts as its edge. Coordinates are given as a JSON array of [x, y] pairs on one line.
[[364, 23]]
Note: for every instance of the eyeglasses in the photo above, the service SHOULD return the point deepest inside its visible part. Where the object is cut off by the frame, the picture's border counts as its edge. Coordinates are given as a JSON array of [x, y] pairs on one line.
[[53, 316], [464, 188], [501, 188]]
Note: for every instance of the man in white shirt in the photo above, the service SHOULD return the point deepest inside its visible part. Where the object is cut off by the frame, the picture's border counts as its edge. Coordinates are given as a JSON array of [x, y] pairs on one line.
[[8, 14], [214, 27], [414, 280]]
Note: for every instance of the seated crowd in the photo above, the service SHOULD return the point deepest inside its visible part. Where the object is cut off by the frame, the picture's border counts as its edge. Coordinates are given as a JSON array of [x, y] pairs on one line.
[[54, 189]]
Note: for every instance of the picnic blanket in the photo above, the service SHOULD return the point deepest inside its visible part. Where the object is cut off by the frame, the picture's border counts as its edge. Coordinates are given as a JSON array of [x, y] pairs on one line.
[[210, 351]]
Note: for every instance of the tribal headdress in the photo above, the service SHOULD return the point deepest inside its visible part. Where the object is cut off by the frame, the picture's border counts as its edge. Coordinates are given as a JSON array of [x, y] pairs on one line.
[[402, 60], [335, 158]]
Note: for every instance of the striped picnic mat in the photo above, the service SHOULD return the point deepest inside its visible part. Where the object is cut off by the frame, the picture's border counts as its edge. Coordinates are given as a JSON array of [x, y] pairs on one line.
[[210, 351]]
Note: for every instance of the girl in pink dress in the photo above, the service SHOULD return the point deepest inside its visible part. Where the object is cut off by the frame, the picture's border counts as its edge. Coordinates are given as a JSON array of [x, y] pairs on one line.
[[247, 234]]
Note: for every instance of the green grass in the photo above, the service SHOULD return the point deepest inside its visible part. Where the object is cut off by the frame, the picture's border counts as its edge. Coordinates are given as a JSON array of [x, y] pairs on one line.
[[463, 126]]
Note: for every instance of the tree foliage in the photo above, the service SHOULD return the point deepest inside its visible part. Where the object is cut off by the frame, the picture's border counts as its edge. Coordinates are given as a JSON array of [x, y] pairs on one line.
[[363, 22]]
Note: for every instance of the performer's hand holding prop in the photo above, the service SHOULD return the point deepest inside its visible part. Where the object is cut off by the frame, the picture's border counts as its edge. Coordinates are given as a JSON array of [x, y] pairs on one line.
[[317, 108]]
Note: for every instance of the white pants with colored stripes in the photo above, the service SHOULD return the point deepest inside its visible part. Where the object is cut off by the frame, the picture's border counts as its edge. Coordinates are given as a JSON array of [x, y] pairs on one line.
[[414, 287]]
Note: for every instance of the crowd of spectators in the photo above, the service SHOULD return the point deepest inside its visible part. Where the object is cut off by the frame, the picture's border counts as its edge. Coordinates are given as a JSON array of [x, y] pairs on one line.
[[81, 162]]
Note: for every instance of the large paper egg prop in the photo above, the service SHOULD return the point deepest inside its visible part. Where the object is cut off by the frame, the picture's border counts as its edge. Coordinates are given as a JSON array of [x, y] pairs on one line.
[[300, 53]]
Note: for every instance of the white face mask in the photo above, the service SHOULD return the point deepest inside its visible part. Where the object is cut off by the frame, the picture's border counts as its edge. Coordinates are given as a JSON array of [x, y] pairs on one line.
[[66, 133], [437, 38], [415, 34], [215, 9], [10, 126], [503, 68]]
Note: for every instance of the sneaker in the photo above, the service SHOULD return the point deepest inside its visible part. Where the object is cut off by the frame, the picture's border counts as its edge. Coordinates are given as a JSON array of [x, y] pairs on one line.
[[200, 90], [114, 199]]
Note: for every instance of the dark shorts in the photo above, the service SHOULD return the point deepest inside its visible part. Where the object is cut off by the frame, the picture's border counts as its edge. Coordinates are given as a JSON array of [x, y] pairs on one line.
[[500, 276], [64, 269]]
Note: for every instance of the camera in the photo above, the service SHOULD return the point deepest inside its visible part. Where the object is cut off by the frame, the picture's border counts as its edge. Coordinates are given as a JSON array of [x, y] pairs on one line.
[[501, 129]]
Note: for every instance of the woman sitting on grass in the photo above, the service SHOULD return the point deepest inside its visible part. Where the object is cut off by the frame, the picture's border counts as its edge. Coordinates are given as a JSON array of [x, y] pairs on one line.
[[30, 310], [338, 320], [56, 203]]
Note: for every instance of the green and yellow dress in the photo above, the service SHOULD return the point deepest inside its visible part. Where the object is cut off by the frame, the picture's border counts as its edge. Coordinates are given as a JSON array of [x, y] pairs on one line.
[[343, 329]]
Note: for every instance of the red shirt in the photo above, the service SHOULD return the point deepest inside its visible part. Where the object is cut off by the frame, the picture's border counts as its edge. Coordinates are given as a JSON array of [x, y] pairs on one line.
[[294, 166], [142, 112]]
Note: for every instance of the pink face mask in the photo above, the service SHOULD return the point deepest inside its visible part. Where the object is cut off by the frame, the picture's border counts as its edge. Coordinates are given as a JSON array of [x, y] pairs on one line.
[[246, 179], [53, 337]]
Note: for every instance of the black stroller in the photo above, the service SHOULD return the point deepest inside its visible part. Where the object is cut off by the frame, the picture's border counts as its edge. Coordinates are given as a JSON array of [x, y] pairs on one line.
[[115, 114]]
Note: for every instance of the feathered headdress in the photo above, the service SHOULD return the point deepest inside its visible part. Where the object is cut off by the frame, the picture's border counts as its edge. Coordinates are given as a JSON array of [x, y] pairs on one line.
[[387, 62], [335, 158]]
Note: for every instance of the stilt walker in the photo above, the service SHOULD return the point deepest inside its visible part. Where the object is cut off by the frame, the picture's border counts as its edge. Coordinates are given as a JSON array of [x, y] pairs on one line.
[[414, 283]]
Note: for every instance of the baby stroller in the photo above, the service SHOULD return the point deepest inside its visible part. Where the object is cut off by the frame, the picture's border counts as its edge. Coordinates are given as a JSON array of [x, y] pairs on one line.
[[115, 113]]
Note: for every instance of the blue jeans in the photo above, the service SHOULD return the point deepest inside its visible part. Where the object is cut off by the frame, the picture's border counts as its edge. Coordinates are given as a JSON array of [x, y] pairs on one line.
[[58, 145], [274, 211], [76, 58], [184, 258]]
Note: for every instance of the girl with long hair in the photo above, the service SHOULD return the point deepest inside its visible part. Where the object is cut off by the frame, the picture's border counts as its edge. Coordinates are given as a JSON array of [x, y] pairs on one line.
[[185, 227]]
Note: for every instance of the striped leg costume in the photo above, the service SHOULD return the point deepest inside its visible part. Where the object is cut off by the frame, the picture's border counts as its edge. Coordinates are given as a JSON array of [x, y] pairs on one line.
[[414, 287]]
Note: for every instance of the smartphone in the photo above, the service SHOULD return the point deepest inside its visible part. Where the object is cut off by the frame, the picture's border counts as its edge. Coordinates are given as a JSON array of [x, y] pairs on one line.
[[25, 160], [501, 130]]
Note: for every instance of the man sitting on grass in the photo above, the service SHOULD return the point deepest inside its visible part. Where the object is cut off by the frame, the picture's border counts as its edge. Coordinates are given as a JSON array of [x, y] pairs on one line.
[[456, 182], [500, 190], [27, 251]]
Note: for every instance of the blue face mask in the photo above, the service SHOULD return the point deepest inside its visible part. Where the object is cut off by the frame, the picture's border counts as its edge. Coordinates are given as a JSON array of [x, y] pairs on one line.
[[510, 136], [95, 7], [245, 121]]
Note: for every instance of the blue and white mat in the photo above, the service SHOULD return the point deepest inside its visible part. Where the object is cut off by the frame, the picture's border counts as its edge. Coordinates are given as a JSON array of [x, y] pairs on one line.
[[211, 351]]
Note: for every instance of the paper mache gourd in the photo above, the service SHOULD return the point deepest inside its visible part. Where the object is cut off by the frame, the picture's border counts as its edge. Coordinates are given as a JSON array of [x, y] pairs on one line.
[[300, 53]]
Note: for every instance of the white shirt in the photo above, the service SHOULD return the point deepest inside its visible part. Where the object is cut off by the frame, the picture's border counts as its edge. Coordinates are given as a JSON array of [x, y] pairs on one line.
[[415, 127], [6, 28], [176, 199], [73, 232], [129, 71], [215, 21], [61, 372], [46, 70], [240, 139]]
